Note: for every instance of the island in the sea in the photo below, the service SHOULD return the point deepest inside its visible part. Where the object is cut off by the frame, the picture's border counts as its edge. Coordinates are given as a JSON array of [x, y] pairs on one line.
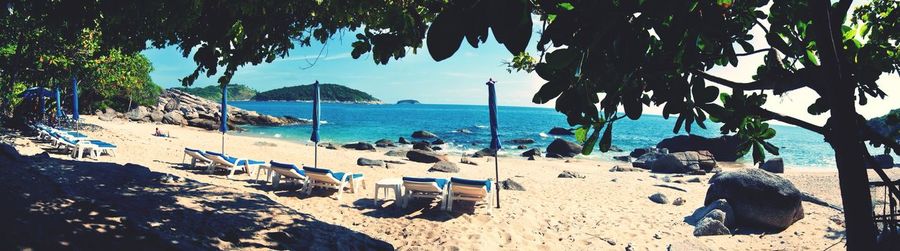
[[328, 93], [408, 102]]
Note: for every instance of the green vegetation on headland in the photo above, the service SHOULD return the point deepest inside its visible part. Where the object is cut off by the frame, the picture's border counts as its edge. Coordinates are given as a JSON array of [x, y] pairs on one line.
[[236, 92], [408, 101], [887, 125], [328, 93]]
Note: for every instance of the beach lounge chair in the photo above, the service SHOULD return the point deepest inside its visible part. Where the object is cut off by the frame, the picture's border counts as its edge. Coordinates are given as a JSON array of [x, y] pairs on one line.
[[289, 172], [470, 190], [196, 155], [100, 147], [76, 148], [231, 164], [430, 188], [320, 177]]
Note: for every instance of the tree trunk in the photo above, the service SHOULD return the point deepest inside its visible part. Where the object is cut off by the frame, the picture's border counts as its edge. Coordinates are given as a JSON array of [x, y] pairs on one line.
[[844, 126]]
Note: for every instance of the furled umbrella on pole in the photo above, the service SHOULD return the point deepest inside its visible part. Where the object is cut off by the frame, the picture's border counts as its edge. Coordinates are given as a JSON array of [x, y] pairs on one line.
[[495, 140], [223, 119], [75, 102], [315, 126], [59, 112]]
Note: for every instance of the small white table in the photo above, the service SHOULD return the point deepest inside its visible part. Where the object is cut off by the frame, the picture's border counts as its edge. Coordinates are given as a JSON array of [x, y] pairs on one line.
[[386, 184]]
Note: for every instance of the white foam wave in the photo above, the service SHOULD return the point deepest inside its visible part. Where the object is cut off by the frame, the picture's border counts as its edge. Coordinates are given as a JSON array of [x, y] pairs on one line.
[[278, 135]]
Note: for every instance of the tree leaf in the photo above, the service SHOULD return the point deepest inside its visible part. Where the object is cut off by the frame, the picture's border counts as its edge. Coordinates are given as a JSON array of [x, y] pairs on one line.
[[606, 141], [818, 107], [588, 145], [561, 58], [581, 134], [758, 154], [678, 123], [770, 148], [811, 55], [548, 91], [445, 34], [768, 133]]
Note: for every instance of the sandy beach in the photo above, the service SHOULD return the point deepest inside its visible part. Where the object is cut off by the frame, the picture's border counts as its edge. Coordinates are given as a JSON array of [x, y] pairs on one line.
[[604, 211]]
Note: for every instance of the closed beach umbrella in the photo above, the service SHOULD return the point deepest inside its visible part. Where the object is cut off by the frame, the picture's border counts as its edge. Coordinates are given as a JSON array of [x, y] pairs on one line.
[[75, 101], [223, 120], [495, 140], [315, 126], [59, 112]]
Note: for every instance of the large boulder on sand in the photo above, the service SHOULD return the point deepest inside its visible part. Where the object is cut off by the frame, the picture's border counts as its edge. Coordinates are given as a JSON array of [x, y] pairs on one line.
[[422, 145], [369, 162], [424, 156], [560, 148], [486, 152], [362, 146], [684, 162], [138, 113], [423, 135], [174, 118], [723, 148], [204, 123], [156, 116], [532, 152], [171, 105], [384, 143], [760, 199], [774, 165], [445, 167]]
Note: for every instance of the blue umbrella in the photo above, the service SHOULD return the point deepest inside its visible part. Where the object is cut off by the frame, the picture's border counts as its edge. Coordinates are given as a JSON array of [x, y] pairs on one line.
[[75, 101], [315, 129], [495, 140], [59, 112], [223, 120]]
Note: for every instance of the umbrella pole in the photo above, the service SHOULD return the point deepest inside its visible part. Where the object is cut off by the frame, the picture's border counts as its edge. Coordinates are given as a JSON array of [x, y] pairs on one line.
[[223, 143], [497, 174], [316, 155]]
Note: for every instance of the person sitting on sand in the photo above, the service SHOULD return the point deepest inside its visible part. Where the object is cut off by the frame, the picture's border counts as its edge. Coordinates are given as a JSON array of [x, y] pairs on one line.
[[159, 133]]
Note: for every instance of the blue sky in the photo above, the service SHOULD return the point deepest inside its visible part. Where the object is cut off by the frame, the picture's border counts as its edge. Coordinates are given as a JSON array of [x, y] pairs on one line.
[[457, 80]]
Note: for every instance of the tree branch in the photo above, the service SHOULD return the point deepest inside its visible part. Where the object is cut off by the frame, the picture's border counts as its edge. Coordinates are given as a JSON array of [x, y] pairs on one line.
[[778, 87], [753, 52], [766, 30], [787, 119]]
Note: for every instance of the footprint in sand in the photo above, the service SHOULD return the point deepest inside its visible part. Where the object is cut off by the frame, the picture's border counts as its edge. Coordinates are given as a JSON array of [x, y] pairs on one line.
[[505, 238]]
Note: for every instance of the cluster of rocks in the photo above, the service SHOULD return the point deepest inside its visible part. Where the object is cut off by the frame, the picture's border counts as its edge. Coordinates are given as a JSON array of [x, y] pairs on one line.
[[662, 161], [179, 108], [748, 199]]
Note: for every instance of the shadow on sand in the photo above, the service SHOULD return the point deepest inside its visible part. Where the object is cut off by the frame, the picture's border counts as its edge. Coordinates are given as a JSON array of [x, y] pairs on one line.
[[64, 204]]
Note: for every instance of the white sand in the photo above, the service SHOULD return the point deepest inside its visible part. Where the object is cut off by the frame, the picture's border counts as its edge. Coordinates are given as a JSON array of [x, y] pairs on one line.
[[553, 214]]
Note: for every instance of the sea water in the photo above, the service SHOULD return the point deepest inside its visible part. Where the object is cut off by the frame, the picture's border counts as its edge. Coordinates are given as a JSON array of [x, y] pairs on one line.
[[465, 128]]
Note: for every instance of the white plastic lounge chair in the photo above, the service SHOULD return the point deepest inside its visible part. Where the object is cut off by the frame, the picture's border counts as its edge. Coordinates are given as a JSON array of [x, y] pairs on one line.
[[430, 188], [470, 190], [76, 148], [100, 147], [196, 156], [320, 177], [230, 164], [289, 172]]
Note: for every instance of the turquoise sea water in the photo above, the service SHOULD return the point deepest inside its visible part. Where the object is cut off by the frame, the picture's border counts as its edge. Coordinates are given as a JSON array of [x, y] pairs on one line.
[[352, 122]]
